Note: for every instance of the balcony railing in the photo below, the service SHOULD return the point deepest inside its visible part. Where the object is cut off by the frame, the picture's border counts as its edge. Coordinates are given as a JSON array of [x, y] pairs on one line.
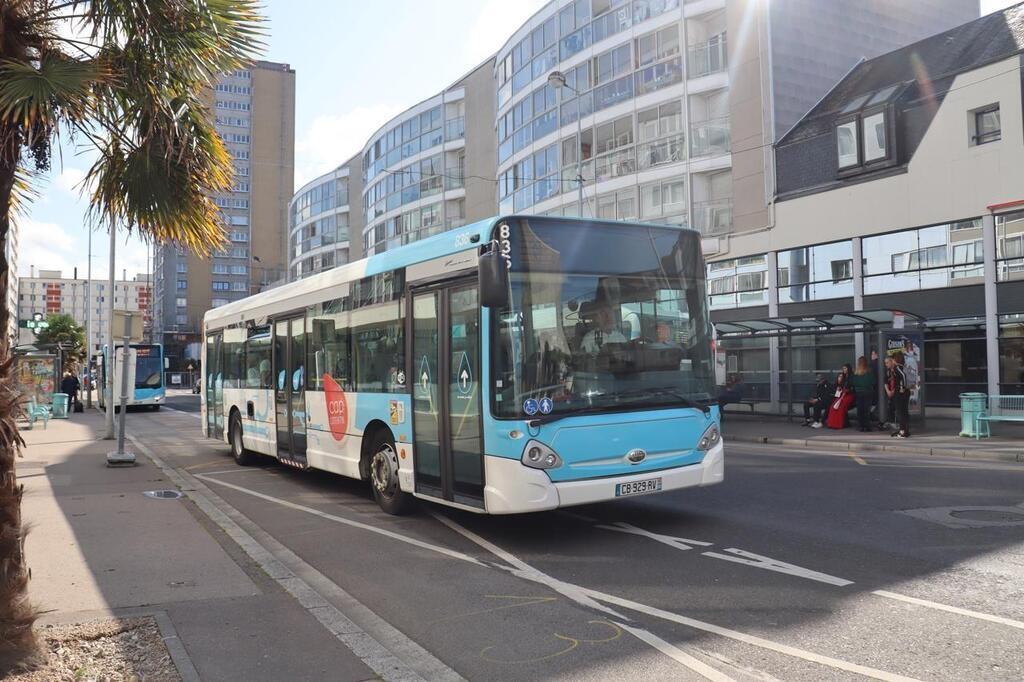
[[661, 152], [707, 58], [455, 128], [710, 138], [713, 217], [454, 178]]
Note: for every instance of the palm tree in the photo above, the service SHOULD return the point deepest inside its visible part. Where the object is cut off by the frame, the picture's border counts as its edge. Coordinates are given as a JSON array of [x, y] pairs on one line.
[[127, 78]]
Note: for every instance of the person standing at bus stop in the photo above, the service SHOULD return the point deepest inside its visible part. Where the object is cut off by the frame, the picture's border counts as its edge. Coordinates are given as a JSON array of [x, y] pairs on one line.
[[899, 393], [863, 383], [69, 385]]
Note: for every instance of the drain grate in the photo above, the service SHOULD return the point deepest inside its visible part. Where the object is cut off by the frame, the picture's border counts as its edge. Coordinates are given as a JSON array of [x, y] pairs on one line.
[[163, 494], [990, 515]]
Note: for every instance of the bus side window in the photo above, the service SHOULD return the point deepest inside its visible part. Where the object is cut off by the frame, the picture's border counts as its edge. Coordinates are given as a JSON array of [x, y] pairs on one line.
[[257, 359]]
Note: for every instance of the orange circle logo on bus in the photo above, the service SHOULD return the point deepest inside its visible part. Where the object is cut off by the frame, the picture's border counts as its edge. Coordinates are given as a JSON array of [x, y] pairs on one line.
[[337, 408]]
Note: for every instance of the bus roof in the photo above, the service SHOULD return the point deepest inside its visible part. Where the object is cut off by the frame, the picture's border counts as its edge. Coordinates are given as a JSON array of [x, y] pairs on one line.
[[292, 295], [278, 298]]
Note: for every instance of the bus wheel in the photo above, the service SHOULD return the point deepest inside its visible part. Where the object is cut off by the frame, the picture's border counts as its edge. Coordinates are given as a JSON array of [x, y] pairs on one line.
[[384, 477], [238, 451]]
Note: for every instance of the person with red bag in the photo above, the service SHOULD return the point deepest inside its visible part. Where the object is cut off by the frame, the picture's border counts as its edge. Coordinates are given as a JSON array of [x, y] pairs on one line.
[[842, 400]]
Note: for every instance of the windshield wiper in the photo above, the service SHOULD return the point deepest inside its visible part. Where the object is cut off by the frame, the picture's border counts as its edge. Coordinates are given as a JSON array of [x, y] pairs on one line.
[[684, 401]]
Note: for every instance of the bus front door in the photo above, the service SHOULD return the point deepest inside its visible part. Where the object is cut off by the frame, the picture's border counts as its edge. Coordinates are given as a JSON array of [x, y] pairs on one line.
[[289, 390], [445, 373], [214, 387]]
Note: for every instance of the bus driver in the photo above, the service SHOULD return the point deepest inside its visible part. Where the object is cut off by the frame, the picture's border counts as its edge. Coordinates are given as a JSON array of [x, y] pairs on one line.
[[603, 328]]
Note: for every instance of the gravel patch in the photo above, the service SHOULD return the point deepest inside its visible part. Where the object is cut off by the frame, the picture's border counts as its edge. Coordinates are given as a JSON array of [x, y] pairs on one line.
[[101, 651]]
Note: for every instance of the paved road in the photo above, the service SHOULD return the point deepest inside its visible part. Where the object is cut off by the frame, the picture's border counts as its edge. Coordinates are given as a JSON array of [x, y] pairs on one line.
[[802, 566], [183, 401]]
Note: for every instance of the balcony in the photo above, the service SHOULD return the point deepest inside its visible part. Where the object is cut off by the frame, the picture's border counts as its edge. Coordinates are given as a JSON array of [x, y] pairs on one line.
[[713, 217], [707, 58], [455, 128], [454, 178], [661, 152], [710, 138]]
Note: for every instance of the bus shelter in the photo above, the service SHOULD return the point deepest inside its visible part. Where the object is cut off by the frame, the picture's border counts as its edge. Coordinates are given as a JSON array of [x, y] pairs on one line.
[[784, 355], [37, 371]]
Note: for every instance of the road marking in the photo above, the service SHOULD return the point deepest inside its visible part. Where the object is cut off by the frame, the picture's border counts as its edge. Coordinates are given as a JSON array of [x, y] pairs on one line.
[[278, 562], [691, 662], [856, 458], [347, 522], [750, 639], [741, 556], [585, 596], [239, 470], [573, 643], [526, 601], [676, 543], [530, 573], [951, 609], [196, 415]]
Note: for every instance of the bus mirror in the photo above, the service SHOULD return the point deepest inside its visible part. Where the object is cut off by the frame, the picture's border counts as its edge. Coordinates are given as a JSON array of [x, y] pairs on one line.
[[493, 280]]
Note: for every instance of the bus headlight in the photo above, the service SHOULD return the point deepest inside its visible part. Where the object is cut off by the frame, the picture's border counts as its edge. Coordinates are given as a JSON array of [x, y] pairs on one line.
[[709, 439], [539, 456]]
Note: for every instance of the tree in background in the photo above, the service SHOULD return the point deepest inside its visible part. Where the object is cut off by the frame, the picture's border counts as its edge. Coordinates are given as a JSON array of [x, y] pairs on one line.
[[65, 331], [125, 78]]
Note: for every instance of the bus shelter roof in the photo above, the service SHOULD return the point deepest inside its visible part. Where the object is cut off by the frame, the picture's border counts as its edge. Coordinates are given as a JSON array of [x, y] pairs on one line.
[[835, 322]]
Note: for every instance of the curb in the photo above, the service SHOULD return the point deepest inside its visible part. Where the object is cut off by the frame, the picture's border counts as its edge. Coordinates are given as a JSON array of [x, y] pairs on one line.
[[984, 455]]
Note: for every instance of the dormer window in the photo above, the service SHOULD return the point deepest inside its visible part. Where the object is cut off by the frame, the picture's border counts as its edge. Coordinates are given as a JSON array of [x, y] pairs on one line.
[[864, 132]]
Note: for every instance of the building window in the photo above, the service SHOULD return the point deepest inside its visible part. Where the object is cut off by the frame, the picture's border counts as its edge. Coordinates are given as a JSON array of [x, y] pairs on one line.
[[181, 302], [873, 127], [182, 284], [846, 144], [221, 286], [985, 125]]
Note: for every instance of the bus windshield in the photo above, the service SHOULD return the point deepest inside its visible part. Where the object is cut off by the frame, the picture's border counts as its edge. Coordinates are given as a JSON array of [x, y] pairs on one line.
[[149, 367], [603, 317]]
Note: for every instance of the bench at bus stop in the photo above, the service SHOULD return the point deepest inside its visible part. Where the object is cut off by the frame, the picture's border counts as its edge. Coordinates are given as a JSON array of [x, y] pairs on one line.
[[999, 408]]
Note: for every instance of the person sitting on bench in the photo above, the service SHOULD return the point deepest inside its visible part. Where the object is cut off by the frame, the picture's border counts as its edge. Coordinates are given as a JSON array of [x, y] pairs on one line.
[[817, 403]]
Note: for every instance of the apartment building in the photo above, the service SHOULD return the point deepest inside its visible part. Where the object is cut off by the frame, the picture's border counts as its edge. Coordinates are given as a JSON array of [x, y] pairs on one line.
[[902, 190], [48, 291], [254, 112]]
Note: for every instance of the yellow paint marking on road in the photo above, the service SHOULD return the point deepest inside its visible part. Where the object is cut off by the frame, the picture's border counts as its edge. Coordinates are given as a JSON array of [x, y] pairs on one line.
[[528, 601], [859, 460], [571, 642]]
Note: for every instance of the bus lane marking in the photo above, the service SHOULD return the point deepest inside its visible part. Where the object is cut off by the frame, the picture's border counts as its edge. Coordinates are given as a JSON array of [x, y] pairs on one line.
[[733, 554], [950, 609], [528, 572], [593, 599]]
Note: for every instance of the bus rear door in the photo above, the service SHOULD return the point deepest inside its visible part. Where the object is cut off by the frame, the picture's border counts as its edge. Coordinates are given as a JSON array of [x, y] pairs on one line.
[[214, 386], [445, 373]]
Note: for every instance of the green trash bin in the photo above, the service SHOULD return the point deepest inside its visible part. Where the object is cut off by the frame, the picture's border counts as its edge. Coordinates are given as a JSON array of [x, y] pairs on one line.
[[971, 405], [59, 408]]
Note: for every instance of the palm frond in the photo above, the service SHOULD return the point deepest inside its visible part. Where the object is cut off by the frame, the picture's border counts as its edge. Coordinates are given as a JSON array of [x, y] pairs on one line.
[[35, 95], [23, 193]]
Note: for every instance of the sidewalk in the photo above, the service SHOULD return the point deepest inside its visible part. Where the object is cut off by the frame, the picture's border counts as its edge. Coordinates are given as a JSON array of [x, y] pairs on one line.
[[938, 436], [99, 548]]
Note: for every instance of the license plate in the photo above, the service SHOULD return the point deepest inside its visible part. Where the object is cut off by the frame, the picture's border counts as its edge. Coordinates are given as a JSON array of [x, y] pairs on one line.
[[650, 485]]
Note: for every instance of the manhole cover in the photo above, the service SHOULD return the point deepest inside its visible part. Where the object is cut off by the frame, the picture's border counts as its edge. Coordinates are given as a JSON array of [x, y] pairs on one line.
[[987, 515], [163, 494]]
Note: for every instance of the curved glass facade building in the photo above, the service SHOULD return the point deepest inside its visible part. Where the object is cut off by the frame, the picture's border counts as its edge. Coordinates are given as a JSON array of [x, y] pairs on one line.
[[318, 224]]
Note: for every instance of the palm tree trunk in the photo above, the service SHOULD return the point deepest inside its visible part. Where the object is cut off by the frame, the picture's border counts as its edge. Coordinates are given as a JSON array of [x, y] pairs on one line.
[[18, 645]]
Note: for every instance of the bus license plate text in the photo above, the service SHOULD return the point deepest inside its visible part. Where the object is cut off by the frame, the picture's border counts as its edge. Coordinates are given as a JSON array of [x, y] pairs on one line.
[[650, 485]]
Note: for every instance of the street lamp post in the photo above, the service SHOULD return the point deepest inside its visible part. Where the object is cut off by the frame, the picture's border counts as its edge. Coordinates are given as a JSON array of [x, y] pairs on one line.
[[556, 79]]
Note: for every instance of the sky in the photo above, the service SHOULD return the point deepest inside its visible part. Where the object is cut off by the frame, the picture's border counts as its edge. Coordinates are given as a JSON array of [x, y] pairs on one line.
[[354, 71]]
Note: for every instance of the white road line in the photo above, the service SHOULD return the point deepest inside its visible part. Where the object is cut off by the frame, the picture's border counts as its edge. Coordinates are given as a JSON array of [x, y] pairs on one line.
[[951, 609], [278, 561], [750, 639], [695, 664], [177, 411], [582, 595], [348, 522], [529, 572], [239, 470]]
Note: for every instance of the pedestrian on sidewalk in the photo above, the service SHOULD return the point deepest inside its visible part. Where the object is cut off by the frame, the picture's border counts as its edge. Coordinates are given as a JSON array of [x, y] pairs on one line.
[[70, 385], [817, 403], [900, 396], [863, 383]]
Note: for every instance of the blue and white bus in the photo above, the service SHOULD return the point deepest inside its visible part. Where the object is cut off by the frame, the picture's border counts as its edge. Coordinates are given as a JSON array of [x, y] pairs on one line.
[[513, 365], [145, 375]]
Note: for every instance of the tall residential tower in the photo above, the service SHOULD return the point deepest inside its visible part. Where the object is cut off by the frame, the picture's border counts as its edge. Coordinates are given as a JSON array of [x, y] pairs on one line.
[[254, 111]]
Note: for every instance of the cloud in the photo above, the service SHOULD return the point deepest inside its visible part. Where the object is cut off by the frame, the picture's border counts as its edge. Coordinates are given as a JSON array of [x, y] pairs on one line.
[[333, 138], [70, 180], [495, 22], [49, 246]]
